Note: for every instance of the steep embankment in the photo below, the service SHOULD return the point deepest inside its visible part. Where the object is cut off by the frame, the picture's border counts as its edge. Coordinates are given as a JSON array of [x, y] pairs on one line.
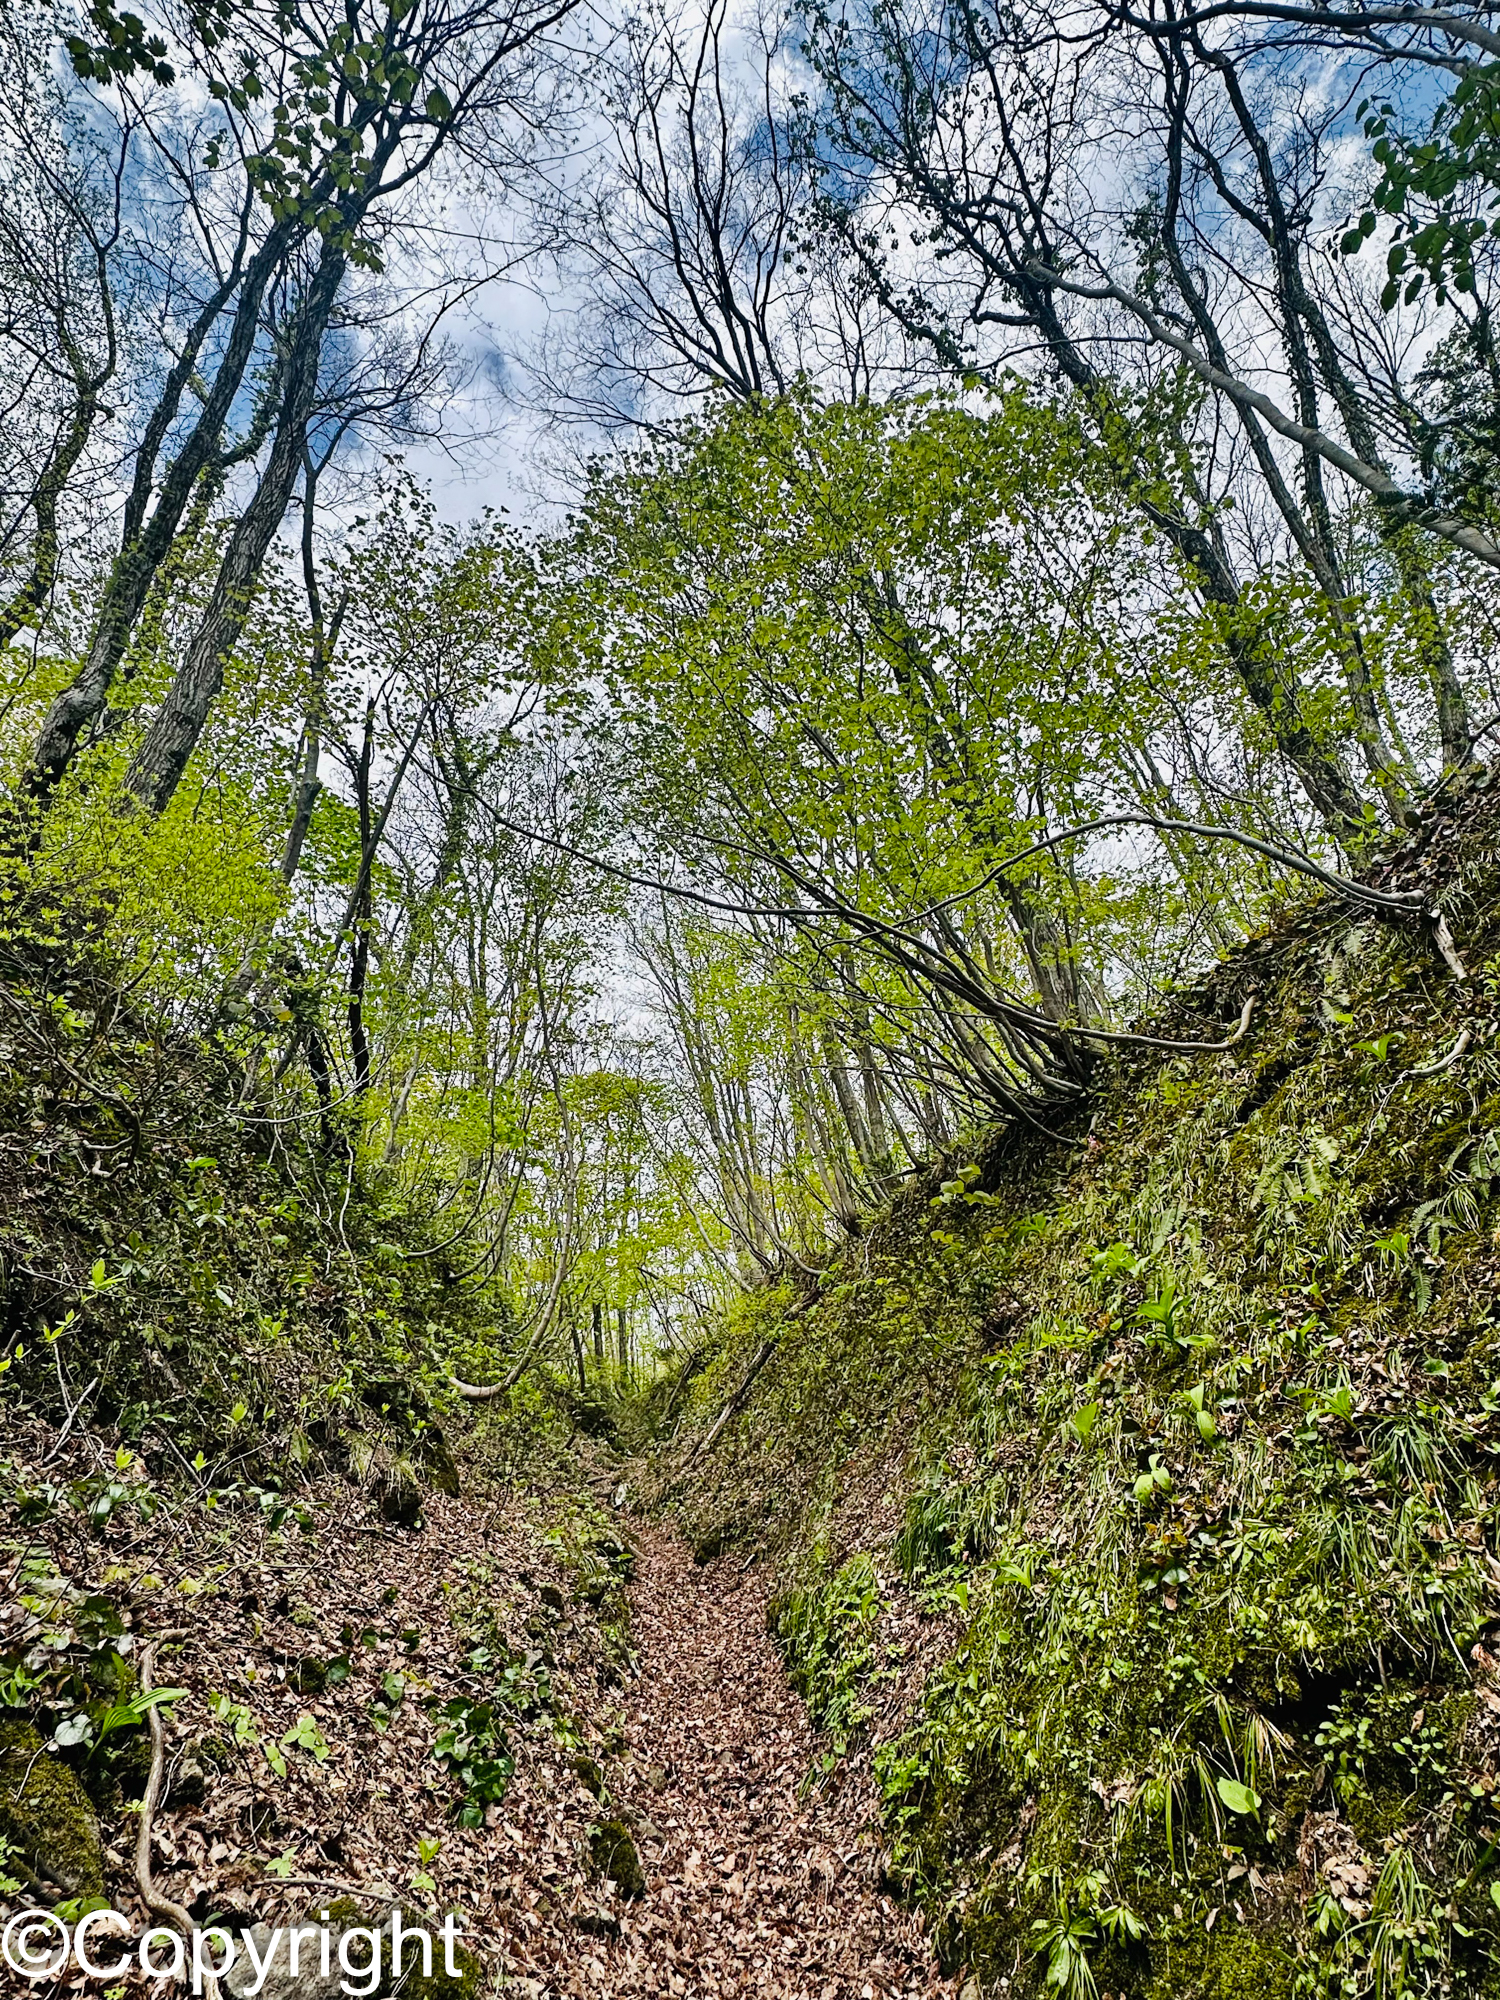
[[189, 1262], [403, 1668], [1134, 1497]]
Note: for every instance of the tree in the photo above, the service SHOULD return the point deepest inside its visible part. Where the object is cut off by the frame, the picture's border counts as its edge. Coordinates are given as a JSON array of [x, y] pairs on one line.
[[1181, 286], [859, 658], [323, 128], [61, 208], [687, 242]]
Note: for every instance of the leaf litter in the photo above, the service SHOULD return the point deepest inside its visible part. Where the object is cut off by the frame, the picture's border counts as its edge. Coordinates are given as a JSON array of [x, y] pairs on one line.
[[318, 1662]]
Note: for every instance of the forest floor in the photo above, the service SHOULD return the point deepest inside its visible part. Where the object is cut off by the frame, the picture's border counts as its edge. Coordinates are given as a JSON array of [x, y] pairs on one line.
[[752, 1887], [318, 1662]]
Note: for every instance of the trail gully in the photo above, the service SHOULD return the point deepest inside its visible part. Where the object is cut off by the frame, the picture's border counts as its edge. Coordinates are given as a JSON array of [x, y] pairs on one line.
[[302, 1759], [751, 1888]]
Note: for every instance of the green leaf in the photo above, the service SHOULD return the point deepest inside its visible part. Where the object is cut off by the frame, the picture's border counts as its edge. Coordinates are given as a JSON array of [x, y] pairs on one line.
[[305, 1734], [1237, 1797], [438, 106]]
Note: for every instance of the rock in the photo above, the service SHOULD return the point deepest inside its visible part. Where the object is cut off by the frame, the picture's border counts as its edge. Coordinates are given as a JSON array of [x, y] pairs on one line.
[[189, 1785], [593, 1924], [589, 1775], [45, 1812], [617, 1554], [612, 1852], [400, 1500], [438, 1463]]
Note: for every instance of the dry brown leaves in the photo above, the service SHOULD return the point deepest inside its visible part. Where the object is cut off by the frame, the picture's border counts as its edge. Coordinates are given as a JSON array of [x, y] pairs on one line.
[[752, 1888], [755, 1884]]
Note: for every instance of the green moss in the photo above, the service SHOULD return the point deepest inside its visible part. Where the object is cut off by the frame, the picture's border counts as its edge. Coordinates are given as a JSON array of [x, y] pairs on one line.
[[589, 1775], [612, 1854], [1231, 1962], [465, 1984], [45, 1812]]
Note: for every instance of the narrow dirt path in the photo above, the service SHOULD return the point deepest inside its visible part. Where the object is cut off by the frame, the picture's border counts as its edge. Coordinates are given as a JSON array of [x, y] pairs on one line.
[[751, 1889], [316, 1669]]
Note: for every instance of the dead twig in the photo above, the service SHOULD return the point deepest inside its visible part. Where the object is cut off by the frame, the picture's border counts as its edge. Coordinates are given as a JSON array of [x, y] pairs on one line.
[[736, 1402], [158, 1904]]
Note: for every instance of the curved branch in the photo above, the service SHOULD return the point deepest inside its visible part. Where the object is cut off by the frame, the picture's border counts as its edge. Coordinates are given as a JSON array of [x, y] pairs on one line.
[[1180, 1048], [1406, 902], [1388, 493], [1360, 20], [487, 1392], [1443, 1062], [158, 1904]]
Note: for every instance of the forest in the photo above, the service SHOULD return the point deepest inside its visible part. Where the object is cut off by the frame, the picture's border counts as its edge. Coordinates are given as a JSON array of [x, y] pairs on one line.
[[749, 983]]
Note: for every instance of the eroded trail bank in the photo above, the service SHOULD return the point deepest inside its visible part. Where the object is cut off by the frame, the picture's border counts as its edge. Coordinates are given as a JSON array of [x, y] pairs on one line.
[[471, 1713], [751, 1887]]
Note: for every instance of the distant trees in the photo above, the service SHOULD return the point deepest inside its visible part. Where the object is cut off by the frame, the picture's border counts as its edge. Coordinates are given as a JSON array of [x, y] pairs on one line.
[[858, 659], [1150, 201], [286, 157]]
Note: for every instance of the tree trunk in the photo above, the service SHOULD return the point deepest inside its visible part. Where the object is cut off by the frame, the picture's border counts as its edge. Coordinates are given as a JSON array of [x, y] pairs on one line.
[[146, 544], [163, 754]]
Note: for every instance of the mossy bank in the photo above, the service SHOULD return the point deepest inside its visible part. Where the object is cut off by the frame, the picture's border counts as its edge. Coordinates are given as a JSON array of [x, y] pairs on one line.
[[1135, 1491]]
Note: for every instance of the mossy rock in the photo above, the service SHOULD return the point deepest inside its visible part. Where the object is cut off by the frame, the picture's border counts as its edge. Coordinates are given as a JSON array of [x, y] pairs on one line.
[[465, 1984], [400, 1500], [45, 1812], [710, 1541], [589, 1775], [612, 1852]]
